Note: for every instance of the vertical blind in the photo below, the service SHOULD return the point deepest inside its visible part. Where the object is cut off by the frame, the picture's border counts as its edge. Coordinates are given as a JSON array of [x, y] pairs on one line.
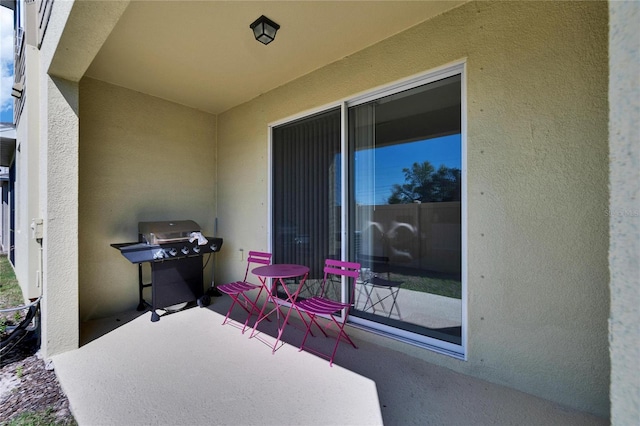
[[306, 191]]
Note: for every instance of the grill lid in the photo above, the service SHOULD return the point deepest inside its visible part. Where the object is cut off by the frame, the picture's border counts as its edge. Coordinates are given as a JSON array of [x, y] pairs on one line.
[[167, 231]]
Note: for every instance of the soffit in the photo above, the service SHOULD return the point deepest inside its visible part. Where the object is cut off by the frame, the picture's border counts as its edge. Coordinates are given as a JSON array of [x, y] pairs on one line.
[[203, 54]]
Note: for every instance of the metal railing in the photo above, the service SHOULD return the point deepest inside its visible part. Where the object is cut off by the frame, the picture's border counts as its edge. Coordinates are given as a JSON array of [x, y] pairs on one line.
[[44, 13], [19, 71]]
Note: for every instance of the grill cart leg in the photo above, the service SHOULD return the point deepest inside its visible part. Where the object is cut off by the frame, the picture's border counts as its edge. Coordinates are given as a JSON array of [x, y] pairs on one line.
[[141, 305]]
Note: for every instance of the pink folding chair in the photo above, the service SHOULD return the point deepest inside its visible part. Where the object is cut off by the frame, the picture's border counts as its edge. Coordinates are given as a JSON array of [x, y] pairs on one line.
[[322, 305], [238, 290]]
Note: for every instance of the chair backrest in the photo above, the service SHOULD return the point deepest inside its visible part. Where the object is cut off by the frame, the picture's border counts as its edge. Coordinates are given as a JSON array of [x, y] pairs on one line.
[[340, 268], [258, 257]]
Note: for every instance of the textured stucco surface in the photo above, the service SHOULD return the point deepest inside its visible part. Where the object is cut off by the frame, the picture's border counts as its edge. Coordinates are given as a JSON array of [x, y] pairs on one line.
[[86, 29], [57, 123], [538, 296], [58, 129], [27, 191], [624, 212], [141, 159], [60, 259]]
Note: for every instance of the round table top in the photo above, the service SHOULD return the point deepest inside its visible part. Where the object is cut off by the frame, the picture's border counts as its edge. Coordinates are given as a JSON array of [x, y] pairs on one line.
[[283, 270]]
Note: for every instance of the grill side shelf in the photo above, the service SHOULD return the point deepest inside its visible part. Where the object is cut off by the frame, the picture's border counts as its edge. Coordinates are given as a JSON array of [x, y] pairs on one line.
[[138, 252]]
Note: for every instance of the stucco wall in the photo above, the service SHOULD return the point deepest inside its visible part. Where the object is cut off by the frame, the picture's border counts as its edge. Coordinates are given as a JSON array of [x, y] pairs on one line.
[[57, 124], [59, 185], [538, 297], [27, 191], [624, 253], [58, 130], [141, 159]]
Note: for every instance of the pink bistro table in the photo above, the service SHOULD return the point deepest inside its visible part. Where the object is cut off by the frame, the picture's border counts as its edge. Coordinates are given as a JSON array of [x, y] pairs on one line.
[[278, 273]]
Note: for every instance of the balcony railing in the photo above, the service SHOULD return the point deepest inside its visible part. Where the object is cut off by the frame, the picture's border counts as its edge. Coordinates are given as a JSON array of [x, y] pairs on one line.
[[19, 71], [35, 34], [44, 13]]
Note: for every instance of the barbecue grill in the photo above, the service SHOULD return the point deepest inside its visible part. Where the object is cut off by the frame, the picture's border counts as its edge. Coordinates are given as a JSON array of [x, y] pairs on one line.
[[174, 250]]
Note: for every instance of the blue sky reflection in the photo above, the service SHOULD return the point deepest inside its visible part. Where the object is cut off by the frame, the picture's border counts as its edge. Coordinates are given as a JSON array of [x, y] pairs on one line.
[[390, 160]]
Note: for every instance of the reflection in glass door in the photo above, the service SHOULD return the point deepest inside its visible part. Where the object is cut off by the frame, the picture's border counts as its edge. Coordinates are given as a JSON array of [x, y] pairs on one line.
[[392, 181], [405, 220]]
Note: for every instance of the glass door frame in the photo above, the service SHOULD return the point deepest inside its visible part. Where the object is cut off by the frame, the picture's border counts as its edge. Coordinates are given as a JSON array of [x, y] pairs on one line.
[[455, 68]]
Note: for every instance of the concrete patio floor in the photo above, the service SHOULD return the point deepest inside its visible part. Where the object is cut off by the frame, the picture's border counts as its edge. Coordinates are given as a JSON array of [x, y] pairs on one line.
[[188, 369]]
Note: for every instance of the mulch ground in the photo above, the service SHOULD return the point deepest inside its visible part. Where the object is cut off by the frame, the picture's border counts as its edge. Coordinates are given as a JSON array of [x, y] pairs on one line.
[[28, 386]]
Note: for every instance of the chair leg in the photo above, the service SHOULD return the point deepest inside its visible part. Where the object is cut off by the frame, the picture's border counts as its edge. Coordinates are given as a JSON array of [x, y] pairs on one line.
[[250, 312], [368, 304], [247, 305], [341, 334], [361, 288], [393, 294], [312, 320], [395, 303], [235, 300], [306, 334], [261, 311], [379, 302], [254, 307]]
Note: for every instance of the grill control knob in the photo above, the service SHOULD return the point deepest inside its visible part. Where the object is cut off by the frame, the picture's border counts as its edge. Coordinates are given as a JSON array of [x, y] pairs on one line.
[[196, 249], [214, 247], [185, 250], [173, 251]]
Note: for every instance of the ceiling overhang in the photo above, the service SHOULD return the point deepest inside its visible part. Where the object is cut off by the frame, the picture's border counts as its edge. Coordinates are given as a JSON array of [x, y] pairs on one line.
[[204, 55]]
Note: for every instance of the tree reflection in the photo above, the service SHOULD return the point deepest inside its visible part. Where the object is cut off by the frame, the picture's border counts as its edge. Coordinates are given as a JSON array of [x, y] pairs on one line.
[[425, 184]]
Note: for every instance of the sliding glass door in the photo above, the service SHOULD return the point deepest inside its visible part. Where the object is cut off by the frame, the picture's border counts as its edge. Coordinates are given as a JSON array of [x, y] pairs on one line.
[[402, 210], [405, 157]]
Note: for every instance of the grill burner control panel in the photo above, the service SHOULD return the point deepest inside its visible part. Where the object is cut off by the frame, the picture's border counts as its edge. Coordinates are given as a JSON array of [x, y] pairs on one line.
[[142, 252]]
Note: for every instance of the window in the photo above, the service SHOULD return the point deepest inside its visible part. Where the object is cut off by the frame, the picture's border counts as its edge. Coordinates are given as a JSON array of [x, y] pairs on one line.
[[399, 210]]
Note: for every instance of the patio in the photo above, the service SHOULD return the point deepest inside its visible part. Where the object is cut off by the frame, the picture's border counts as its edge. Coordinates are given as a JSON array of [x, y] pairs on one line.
[[187, 369]]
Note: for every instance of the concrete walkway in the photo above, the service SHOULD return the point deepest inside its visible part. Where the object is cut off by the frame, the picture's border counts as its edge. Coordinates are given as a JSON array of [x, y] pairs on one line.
[[188, 369]]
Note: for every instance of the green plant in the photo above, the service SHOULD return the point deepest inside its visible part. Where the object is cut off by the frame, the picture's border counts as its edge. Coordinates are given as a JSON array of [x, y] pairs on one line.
[[38, 418], [10, 294], [19, 371]]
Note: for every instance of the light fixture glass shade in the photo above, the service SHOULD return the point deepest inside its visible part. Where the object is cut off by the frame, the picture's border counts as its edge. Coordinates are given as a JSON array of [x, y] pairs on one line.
[[264, 29]]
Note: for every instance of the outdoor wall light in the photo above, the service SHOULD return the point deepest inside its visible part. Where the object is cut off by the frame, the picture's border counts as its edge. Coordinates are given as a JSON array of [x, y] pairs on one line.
[[264, 29], [16, 90]]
